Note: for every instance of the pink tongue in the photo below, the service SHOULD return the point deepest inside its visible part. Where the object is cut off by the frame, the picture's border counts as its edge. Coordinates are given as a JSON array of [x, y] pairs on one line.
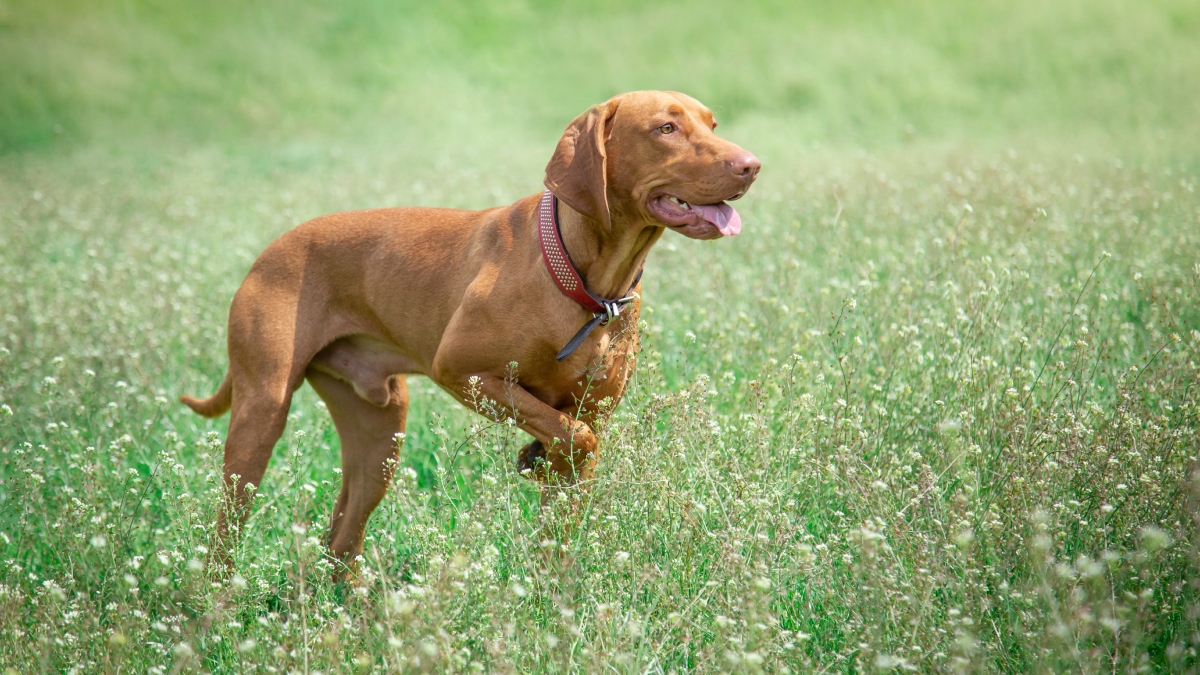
[[722, 215]]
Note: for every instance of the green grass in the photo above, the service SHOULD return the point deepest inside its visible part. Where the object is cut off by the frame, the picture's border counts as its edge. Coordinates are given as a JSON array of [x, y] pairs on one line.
[[935, 409]]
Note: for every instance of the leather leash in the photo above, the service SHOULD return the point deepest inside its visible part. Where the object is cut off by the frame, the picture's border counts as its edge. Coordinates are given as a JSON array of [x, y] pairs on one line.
[[567, 278]]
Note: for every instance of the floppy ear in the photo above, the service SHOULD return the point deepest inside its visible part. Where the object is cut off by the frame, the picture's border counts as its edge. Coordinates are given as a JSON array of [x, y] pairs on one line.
[[576, 172]]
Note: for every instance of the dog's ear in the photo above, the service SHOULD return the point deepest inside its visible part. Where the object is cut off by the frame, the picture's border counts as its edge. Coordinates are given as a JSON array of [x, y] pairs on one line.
[[577, 172]]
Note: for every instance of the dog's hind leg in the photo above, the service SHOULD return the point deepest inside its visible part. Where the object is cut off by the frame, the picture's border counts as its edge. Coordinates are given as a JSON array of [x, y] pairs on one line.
[[268, 352], [258, 419], [369, 453]]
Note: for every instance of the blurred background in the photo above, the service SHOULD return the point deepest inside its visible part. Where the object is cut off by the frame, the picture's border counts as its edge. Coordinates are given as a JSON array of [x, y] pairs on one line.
[[452, 78]]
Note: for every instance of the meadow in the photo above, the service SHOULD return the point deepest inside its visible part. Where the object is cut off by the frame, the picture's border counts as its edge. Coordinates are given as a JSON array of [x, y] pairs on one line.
[[934, 410]]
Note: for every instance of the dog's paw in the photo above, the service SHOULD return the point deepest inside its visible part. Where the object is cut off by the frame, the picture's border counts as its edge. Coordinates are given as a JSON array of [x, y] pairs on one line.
[[530, 457], [584, 440]]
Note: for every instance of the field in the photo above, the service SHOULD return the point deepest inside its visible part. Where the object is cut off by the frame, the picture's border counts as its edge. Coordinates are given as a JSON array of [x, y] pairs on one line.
[[934, 410]]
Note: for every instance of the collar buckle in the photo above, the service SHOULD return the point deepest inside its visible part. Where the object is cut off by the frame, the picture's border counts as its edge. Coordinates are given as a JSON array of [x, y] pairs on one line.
[[612, 308]]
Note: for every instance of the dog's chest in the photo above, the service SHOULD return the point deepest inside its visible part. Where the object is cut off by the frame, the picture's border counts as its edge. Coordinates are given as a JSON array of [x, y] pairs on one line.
[[599, 369]]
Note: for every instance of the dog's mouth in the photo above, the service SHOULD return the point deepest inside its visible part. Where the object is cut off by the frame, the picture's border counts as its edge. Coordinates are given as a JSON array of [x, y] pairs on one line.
[[698, 221]]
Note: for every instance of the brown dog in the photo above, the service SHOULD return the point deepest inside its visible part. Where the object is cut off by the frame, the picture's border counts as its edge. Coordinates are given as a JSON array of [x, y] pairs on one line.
[[354, 302]]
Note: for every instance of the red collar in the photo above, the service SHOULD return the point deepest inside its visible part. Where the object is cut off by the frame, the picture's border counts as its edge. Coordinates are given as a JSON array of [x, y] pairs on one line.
[[566, 276]]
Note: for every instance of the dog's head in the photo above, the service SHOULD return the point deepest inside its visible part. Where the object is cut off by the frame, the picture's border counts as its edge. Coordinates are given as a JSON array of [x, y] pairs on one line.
[[650, 158]]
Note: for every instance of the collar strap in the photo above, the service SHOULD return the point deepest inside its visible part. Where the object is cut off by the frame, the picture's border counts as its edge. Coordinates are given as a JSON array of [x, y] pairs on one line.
[[566, 276]]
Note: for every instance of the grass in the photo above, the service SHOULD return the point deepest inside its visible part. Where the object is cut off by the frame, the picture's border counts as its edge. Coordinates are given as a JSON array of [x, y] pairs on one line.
[[934, 410]]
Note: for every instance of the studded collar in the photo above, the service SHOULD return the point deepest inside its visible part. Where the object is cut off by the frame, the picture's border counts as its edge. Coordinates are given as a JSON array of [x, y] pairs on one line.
[[566, 276]]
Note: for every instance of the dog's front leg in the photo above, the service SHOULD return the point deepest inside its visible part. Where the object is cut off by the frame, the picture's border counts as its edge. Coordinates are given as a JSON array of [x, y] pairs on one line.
[[568, 455]]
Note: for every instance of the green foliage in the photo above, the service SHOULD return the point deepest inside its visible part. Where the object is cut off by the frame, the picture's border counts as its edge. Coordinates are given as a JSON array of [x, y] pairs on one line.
[[848, 72], [935, 409]]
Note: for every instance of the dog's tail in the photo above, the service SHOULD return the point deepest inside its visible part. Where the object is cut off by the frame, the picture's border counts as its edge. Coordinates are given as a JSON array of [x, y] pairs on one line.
[[215, 405]]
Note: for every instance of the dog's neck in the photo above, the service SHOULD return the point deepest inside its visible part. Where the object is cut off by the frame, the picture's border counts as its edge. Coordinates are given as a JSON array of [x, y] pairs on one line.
[[607, 260]]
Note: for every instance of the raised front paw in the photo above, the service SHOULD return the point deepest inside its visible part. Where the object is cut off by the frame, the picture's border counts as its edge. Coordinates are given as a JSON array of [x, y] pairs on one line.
[[563, 462], [583, 441]]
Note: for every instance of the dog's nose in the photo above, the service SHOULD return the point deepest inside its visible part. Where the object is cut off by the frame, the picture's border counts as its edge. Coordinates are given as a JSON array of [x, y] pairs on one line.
[[744, 165]]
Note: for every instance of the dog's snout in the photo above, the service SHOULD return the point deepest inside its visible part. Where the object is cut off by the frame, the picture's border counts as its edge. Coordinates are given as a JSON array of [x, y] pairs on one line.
[[744, 165]]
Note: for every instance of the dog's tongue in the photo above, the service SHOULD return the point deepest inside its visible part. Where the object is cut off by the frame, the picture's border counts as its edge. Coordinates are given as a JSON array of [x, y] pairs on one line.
[[722, 215]]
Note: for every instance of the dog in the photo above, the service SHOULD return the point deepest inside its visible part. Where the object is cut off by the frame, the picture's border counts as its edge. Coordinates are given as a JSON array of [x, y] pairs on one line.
[[355, 302]]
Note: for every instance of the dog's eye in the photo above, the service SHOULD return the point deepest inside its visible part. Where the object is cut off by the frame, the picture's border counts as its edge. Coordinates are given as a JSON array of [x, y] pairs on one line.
[[667, 128]]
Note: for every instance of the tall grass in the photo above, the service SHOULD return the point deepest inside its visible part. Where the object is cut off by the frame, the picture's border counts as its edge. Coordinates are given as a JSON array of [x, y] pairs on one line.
[[934, 410]]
